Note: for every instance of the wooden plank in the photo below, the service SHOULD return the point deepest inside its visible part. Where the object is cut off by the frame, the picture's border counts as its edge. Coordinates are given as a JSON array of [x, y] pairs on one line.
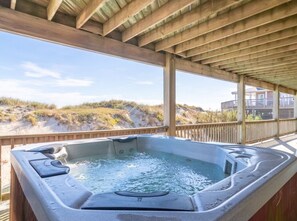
[[211, 57], [241, 109], [257, 83], [275, 108], [157, 16], [269, 39], [238, 14], [295, 109], [285, 66], [262, 54], [124, 14], [197, 14], [204, 70], [41, 12], [255, 26], [28, 25], [88, 12], [20, 209], [261, 35], [258, 60], [265, 73], [52, 8], [169, 94], [263, 65]]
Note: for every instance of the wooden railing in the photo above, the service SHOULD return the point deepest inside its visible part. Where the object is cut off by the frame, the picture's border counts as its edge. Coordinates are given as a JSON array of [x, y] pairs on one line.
[[227, 132], [12, 140], [287, 126], [260, 130], [207, 132]]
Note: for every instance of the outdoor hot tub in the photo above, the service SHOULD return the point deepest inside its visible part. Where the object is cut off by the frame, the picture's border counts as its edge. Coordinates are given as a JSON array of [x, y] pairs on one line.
[[147, 178]]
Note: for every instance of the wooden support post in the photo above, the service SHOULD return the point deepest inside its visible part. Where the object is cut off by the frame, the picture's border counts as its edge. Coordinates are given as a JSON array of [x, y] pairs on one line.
[[0, 171], [169, 94], [241, 109], [295, 110], [275, 110]]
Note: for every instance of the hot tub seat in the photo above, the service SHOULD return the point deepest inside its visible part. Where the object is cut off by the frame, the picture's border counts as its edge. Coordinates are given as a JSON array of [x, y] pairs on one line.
[[139, 201]]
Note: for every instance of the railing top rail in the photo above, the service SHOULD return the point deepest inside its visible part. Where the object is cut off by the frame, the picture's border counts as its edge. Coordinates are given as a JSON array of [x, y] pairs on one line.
[[260, 121], [288, 119], [207, 124], [161, 128]]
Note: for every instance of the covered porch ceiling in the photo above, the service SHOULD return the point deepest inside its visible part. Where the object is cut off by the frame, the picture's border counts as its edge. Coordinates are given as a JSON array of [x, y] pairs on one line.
[[217, 38]]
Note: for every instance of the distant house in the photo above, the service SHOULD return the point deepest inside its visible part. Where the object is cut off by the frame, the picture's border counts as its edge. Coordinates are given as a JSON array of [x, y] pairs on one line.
[[259, 102]]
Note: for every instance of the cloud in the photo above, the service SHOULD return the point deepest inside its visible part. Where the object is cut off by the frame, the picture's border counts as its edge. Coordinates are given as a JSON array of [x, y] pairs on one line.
[[71, 82], [34, 71], [144, 82], [23, 90]]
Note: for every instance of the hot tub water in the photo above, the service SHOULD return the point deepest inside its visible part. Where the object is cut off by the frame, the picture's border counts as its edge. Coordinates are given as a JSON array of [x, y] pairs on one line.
[[145, 172]]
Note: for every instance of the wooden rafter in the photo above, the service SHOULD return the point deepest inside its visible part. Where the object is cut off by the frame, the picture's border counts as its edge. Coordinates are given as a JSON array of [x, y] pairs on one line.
[[263, 21], [264, 65], [261, 70], [199, 13], [157, 16], [124, 14], [258, 41], [261, 54], [238, 14], [274, 37], [212, 56], [275, 74], [24, 24], [260, 60], [88, 12], [263, 34], [28, 25], [52, 8]]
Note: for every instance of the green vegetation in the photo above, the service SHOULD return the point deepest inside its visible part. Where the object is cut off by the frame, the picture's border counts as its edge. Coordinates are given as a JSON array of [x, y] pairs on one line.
[[13, 102], [108, 114]]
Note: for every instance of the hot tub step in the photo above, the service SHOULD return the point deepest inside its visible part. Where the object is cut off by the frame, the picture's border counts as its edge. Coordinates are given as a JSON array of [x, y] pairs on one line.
[[136, 201]]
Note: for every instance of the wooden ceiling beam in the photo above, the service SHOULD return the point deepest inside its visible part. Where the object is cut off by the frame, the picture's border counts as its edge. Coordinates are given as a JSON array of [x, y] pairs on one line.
[[211, 57], [199, 13], [261, 54], [247, 10], [61, 18], [88, 12], [52, 8], [13, 4], [258, 63], [266, 65], [204, 70], [259, 60], [285, 67], [255, 26], [156, 17], [277, 76], [275, 70], [261, 35], [28, 25], [124, 14], [256, 83], [256, 42]]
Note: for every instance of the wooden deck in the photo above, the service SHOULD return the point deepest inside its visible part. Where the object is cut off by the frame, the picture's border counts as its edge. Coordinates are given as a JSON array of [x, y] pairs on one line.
[[4, 211], [4, 215]]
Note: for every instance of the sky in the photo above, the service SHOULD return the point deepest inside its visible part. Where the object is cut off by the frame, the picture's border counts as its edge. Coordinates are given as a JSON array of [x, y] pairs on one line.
[[36, 70]]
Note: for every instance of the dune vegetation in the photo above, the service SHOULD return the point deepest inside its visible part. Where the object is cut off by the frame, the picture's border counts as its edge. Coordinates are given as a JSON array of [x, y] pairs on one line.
[[104, 115]]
